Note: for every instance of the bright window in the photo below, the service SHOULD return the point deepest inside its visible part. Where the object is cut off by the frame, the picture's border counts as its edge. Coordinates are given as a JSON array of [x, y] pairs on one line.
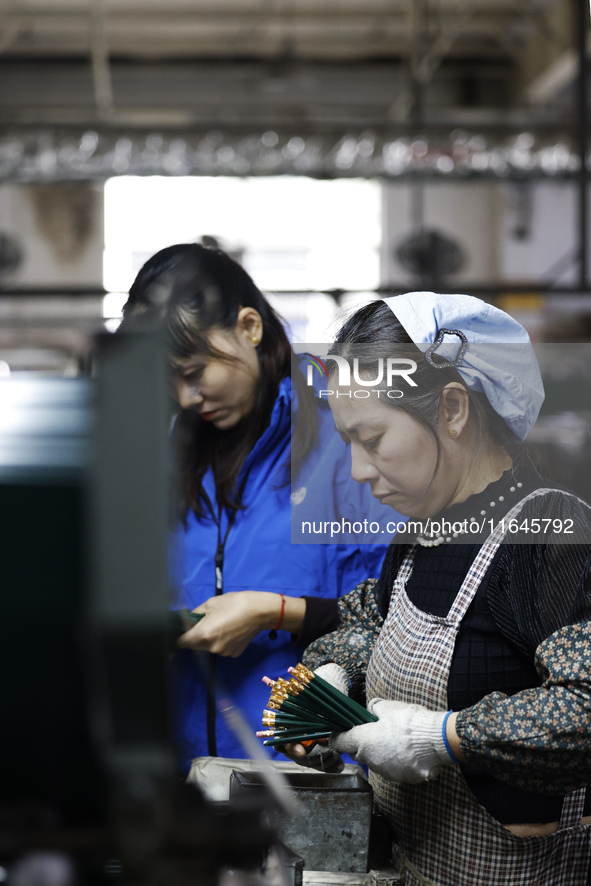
[[292, 234]]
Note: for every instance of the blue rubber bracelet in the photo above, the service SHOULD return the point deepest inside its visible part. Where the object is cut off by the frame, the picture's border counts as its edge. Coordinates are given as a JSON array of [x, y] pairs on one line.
[[444, 737]]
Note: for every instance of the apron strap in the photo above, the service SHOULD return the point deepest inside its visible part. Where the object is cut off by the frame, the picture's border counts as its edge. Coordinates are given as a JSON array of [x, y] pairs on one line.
[[486, 554], [572, 808], [405, 570]]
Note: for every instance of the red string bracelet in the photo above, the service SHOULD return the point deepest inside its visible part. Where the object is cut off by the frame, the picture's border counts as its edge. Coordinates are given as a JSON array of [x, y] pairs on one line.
[[280, 622], [273, 633]]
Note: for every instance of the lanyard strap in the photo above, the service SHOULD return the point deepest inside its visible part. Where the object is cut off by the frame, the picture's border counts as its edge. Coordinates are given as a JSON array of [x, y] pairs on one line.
[[219, 589]]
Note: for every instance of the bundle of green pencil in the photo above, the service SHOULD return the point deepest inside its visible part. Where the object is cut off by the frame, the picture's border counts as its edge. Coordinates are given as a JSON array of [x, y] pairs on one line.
[[307, 708]]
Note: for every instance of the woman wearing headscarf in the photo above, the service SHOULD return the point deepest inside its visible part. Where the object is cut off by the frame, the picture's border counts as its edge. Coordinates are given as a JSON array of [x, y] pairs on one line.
[[474, 646]]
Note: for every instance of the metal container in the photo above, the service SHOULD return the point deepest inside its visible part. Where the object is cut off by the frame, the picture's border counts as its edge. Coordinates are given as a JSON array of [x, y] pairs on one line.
[[331, 831]]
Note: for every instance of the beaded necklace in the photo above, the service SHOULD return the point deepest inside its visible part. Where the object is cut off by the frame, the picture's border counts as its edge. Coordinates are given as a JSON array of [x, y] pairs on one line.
[[432, 539]]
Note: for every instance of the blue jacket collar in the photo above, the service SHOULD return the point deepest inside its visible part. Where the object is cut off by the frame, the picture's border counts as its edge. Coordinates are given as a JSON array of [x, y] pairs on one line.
[[279, 426]]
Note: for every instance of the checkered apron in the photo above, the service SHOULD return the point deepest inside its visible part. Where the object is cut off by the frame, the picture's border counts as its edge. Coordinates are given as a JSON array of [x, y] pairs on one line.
[[443, 837]]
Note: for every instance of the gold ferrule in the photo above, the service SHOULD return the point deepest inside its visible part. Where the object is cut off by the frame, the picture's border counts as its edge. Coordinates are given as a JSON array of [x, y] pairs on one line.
[[295, 687], [277, 704], [304, 672], [302, 679], [269, 719]]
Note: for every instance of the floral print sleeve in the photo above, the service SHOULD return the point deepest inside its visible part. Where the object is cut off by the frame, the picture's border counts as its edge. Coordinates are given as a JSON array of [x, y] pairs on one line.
[[352, 643], [538, 739]]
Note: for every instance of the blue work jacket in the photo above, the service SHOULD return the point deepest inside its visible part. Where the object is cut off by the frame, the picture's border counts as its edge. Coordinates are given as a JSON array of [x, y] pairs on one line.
[[259, 556]]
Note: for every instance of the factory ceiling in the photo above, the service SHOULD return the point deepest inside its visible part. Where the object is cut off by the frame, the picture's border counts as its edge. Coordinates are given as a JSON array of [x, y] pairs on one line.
[[376, 71]]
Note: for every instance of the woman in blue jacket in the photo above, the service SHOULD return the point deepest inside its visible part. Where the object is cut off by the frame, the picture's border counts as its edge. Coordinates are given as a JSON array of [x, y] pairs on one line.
[[232, 557]]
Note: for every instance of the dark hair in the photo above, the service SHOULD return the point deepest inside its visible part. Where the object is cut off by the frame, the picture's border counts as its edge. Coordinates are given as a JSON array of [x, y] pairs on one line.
[[370, 334], [189, 290]]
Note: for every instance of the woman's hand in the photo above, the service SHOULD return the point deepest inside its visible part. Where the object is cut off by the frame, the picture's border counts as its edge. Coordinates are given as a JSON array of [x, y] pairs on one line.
[[317, 756], [406, 744], [235, 618]]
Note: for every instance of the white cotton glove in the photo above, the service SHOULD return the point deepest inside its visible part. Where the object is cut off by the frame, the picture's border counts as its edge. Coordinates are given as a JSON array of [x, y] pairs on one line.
[[405, 745], [335, 675]]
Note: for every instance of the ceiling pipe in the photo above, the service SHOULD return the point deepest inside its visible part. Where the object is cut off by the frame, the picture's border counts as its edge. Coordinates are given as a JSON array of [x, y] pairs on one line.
[[582, 22]]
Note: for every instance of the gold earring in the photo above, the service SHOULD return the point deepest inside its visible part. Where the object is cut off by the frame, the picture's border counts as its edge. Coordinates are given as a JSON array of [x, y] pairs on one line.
[[255, 341], [452, 432]]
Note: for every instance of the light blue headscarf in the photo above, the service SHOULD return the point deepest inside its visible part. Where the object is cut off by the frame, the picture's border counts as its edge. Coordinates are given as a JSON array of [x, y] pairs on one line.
[[499, 359]]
